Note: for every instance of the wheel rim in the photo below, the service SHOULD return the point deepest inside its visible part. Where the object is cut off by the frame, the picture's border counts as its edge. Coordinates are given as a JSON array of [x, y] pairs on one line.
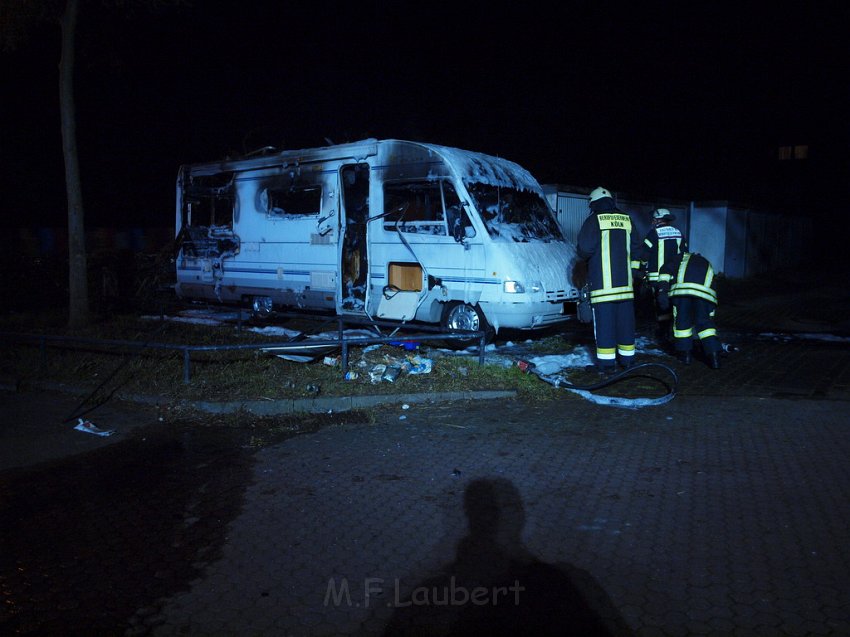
[[262, 306], [463, 317]]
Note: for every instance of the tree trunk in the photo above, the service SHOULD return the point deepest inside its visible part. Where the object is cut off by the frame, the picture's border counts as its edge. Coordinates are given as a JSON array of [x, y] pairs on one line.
[[77, 272]]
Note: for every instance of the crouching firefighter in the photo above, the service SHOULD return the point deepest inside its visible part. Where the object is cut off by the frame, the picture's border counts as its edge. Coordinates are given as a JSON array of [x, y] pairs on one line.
[[690, 278]]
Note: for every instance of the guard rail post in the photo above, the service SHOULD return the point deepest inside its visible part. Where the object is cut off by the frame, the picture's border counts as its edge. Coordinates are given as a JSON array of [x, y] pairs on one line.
[[42, 349], [186, 364], [481, 345]]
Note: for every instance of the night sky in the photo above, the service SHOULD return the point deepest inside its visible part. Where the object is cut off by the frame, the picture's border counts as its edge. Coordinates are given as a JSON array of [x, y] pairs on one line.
[[689, 102]]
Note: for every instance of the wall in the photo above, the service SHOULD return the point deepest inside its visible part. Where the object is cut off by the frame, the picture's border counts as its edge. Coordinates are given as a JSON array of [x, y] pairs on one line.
[[739, 241]]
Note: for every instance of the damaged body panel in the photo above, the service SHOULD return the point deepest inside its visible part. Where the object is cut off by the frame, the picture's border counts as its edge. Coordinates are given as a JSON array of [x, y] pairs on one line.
[[389, 229]]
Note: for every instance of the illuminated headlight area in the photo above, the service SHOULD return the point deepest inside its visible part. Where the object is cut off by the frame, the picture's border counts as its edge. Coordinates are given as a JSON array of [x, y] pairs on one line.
[[513, 287]]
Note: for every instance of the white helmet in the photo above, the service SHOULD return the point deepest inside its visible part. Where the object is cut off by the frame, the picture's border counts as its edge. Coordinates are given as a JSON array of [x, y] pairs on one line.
[[660, 213], [599, 193]]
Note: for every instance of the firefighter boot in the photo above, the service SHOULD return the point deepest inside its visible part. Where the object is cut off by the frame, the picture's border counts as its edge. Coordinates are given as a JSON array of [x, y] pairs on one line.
[[714, 360]]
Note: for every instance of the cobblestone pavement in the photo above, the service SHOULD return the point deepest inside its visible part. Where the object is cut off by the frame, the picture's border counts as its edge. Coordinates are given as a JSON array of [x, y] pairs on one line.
[[698, 517], [722, 512]]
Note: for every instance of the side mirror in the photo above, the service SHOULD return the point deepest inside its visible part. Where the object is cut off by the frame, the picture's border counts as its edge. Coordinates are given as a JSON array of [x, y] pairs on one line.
[[461, 227], [458, 231]]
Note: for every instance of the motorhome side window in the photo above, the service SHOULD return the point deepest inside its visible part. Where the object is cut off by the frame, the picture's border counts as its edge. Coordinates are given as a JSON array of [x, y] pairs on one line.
[[208, 200], [420, 207], [292, 202]]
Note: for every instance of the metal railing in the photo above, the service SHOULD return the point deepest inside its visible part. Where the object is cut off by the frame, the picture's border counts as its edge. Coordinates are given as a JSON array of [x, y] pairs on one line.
[[343, 342]]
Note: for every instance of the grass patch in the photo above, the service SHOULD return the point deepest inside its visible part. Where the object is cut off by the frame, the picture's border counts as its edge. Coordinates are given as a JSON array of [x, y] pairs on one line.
[[241, 374], [244, 375]]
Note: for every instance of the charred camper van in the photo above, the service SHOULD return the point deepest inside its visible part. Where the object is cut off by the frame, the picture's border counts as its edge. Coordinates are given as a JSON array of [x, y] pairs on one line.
[[390, 229]]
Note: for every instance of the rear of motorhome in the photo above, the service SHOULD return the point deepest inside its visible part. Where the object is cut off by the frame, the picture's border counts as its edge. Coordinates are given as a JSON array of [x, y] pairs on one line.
[[389, 229]]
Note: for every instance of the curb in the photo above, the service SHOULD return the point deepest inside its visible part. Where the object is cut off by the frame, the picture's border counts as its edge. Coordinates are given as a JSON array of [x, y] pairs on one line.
[[289, 405], [338, 403]]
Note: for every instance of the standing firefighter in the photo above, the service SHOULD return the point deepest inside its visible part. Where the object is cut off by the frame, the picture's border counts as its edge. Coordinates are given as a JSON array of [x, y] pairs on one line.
[[663, 243], [691, 283], [608, 241]]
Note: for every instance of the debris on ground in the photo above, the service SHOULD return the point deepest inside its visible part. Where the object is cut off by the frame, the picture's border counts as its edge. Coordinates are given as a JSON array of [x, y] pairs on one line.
[[89, 427]]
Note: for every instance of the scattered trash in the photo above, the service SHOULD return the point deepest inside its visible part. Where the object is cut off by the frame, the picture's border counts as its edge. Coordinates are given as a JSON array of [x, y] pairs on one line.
[[303, 351], [352, 375], [391, 374], [405, 406], [402, 417], [377, 372], [312, 389], [419, 365], [90, 428], [408, 345], [371, 348], [295, 358], [331, 361], [728, 347]]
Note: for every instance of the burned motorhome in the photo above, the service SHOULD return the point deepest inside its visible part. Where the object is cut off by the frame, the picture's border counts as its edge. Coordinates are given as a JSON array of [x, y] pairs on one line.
[[389, 229]]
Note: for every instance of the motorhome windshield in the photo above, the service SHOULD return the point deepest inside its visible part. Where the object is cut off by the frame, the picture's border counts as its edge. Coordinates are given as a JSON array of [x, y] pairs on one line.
[[508, 213]]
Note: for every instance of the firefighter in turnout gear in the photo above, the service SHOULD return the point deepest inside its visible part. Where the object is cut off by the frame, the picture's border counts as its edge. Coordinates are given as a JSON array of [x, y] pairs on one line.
[[663, 243], [690, 278], [612, 249]]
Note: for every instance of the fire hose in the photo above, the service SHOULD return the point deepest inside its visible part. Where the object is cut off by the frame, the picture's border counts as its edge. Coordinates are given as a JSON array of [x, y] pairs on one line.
[[614, 401]]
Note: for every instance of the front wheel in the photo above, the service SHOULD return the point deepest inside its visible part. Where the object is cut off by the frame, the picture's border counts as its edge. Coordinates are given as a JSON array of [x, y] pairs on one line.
[[458, 315]]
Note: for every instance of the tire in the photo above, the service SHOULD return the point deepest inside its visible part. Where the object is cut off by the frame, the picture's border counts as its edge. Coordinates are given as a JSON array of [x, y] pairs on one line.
[[458, 315]]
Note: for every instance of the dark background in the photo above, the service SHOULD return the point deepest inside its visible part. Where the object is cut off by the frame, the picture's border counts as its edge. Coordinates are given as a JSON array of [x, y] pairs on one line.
[[689, 101]]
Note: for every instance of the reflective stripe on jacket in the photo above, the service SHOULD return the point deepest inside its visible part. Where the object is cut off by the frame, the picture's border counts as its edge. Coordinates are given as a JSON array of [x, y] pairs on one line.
[[607, 240], [693, 277], [662, 245]]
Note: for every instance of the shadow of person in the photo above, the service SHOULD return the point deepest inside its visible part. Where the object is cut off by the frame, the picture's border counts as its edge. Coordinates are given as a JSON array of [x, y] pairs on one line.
[[495, 586]]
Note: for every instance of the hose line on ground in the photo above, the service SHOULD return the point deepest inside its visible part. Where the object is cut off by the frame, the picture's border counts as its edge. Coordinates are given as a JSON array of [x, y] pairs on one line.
[[614, 401]]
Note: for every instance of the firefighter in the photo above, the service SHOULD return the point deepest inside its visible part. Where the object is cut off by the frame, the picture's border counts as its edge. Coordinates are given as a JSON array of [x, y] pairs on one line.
[[663, 242], [612, 248], [690, 278]]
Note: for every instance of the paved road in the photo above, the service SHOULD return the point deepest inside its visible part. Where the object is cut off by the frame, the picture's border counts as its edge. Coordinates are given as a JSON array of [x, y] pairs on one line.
[[698, 517], [702, 516], [723, 512]]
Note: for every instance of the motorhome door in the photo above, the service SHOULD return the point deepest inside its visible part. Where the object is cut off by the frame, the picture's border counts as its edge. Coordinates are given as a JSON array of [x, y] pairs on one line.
[[354, 258]]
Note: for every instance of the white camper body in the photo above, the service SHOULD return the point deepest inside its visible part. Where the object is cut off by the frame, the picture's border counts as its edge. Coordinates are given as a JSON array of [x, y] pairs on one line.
[[391, 229]]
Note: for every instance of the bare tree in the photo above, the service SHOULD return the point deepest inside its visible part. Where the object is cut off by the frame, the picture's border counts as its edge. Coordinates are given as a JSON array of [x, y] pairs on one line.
[[78, 289], [16, 19]]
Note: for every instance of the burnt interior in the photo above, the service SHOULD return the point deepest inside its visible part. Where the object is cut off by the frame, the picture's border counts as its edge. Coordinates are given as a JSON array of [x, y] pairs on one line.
[[207, 216]]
